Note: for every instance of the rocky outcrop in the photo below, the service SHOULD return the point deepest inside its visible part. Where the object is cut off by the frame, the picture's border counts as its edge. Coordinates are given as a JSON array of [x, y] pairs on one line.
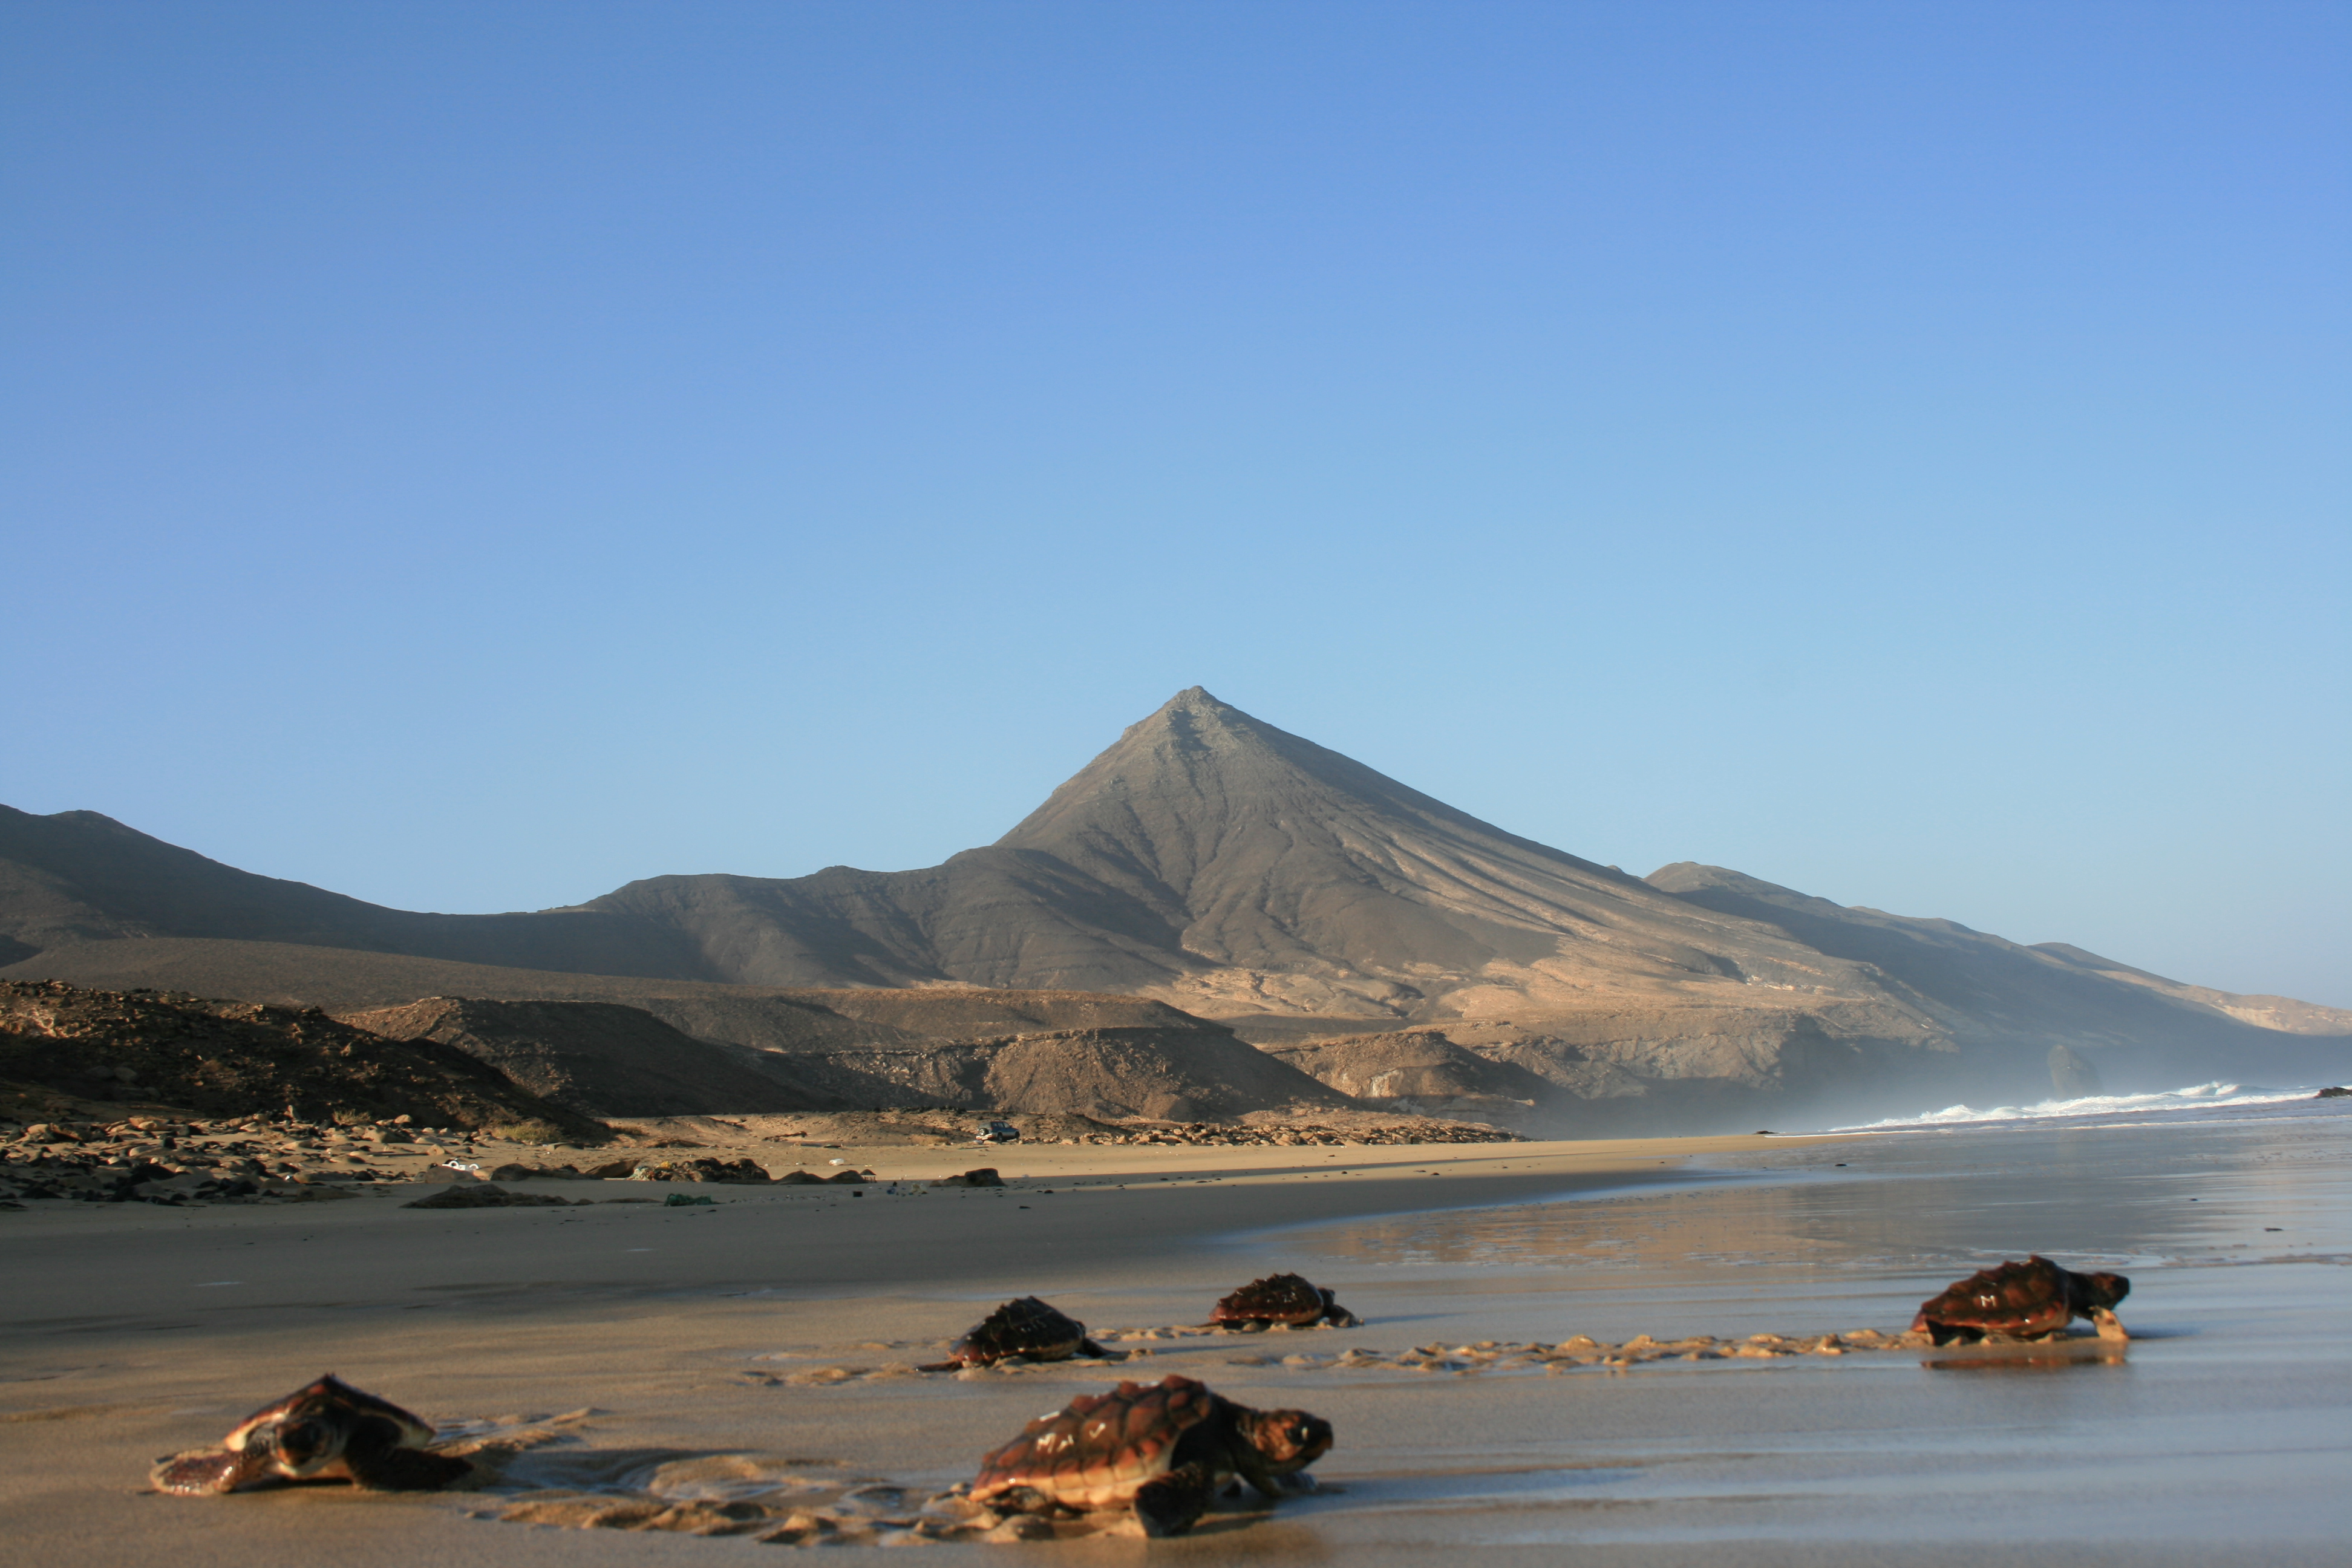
[[1111, 1074], [1420, 1066], [236, 1058], [599, 1059]]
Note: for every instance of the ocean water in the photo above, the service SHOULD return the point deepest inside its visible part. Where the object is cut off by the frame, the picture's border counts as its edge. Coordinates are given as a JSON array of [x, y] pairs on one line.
[[2200, 1102]]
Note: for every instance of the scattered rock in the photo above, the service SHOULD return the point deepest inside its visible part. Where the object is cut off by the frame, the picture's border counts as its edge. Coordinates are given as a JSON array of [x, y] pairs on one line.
[[489, 1195], [702, 1170], [1291, 1134]]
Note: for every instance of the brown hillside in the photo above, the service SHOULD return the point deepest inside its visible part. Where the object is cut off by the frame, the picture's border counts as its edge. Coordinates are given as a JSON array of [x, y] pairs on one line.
[[597, 1057], [1419, 1065], [237, 1058]]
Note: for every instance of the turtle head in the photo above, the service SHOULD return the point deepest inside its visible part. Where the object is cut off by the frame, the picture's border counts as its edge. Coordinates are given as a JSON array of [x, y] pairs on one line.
[[1290, 1439], [2103, 1290], [307, 1441]]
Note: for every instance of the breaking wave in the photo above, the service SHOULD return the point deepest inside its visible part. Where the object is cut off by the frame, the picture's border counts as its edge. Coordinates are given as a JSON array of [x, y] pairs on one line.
[[2202, 1101]]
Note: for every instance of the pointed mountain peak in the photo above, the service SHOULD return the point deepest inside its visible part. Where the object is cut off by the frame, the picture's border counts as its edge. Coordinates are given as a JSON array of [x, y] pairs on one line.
[[1195, 715], [1201, 805]]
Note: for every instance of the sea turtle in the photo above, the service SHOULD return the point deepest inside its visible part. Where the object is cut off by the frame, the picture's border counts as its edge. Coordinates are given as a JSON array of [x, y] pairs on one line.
[[1287, 1299], [1164, 1447], [1023, 1328], [2027, 1300], [328, 1431]]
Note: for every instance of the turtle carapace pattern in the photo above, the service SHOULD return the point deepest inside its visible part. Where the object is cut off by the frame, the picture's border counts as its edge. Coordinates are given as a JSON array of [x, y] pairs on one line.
[[2027, 1300], [1163, 1449], [1023, 1328], [327, 1431], [1290, 1300]]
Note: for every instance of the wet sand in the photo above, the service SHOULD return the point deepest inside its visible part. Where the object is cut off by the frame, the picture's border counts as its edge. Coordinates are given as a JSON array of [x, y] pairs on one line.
[[749, 1347]]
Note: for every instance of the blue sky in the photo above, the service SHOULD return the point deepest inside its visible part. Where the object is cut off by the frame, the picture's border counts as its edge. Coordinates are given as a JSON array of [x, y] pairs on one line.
[[470, 456]]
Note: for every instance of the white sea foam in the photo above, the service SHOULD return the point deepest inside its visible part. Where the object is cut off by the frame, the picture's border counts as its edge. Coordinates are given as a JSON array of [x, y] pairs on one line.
[[2201, 1098]]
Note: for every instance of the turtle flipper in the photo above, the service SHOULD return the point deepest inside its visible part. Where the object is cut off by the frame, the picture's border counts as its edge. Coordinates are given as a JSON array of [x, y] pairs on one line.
[[1089, 1348], [377, 1459], [1173, 1503], [404, 1470], [2110, 1327], [214, 1473]]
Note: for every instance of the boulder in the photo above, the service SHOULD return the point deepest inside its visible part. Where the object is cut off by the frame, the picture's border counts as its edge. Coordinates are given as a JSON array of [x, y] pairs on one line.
[[488, 1195], [703, 1170]]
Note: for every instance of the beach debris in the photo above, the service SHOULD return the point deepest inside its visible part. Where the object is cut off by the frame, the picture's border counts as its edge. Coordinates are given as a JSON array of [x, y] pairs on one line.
[[327, 1431], [1023, 1328], [1163, 1449], [2028, 1301], [1281, 1300], [491, 1195]]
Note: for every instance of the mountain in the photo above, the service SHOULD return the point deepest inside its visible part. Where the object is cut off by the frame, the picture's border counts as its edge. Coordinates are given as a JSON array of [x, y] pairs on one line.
[[79, 877], [1213, 862]]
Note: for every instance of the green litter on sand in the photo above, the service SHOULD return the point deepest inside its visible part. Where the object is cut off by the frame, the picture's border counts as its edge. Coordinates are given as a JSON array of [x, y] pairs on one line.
[[680, 1200]]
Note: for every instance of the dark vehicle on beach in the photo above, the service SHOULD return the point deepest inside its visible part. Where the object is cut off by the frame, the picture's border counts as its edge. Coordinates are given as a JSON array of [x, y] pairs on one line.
[[1000, 1132]]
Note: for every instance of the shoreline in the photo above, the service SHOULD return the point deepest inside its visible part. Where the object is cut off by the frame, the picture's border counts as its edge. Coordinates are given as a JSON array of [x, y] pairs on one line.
[[767, 1340]]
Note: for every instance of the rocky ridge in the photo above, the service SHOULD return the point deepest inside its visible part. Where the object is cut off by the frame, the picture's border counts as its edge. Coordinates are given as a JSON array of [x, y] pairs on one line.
[[220, 1059]]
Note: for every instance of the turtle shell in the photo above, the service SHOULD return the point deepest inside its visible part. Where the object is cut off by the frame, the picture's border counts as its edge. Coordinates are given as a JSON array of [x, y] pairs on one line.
[[1025, 1327], [330, 1396], [1097, 1450], [1276, 1298], [2020, 1300]]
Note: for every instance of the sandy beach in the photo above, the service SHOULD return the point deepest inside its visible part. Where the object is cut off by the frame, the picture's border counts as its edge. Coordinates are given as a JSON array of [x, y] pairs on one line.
[[760, 1347]]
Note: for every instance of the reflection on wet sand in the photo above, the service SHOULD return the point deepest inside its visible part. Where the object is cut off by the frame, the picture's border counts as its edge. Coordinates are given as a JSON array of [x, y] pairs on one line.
[[2059, 1355], [1919, 1204]]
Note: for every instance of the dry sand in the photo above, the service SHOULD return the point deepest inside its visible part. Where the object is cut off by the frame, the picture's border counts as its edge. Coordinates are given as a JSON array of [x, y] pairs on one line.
[[752, 1344]]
